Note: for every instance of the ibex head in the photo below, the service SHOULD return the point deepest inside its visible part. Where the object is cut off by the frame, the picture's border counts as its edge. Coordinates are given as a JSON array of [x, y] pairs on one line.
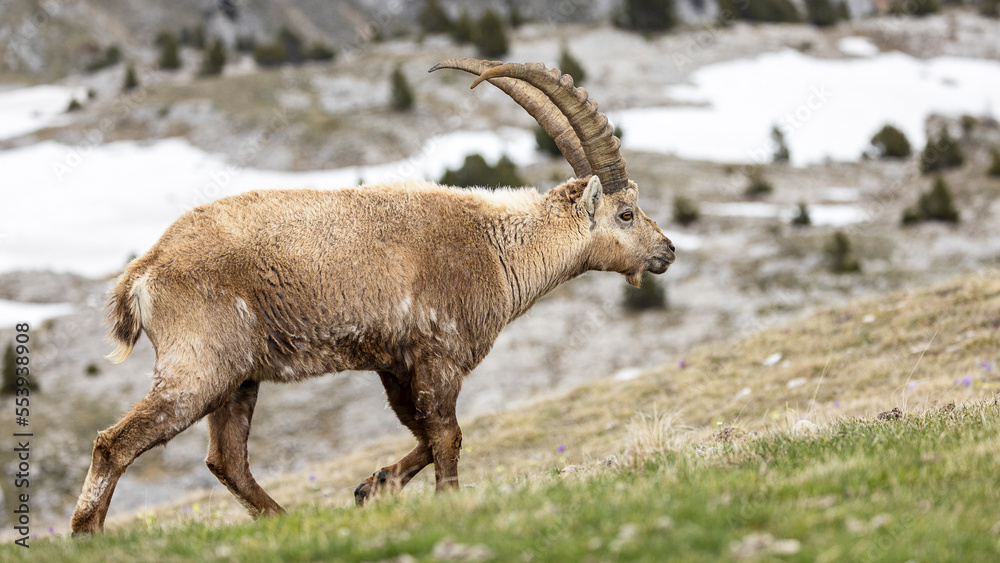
[[623, 238]]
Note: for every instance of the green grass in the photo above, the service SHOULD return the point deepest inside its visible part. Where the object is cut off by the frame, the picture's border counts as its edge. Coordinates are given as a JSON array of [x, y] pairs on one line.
[[919, 488], [860, 489]]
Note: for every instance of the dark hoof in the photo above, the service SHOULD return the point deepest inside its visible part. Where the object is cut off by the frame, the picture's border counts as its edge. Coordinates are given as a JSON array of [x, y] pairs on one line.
[[364, 491]]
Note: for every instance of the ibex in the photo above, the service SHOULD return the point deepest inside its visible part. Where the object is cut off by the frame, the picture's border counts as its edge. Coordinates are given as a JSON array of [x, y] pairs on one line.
[[411, 280]]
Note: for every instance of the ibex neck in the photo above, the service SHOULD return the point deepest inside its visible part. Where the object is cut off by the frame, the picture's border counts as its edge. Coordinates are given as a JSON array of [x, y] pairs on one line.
[[539, 248]]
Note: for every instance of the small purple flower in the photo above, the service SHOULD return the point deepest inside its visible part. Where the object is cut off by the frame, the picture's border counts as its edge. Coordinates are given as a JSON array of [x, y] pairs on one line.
[[912, 386], [987, 367], [837, 403], [312, 477], [52, 530], [682, 364], [186, 510], [561, 448], [967, 381]]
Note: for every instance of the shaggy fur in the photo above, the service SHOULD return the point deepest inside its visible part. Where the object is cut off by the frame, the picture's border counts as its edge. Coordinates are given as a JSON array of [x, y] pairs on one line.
[[412, 280]]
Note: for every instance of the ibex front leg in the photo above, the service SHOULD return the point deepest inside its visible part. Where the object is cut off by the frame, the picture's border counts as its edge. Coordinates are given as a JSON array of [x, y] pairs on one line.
[[435, 395]]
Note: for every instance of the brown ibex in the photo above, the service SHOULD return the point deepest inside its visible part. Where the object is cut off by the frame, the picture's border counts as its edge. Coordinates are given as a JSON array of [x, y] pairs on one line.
[[411, 280]]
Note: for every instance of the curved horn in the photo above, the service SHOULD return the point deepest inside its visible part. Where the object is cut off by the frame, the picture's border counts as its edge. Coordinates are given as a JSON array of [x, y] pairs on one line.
[[596, 135], [537, 104]]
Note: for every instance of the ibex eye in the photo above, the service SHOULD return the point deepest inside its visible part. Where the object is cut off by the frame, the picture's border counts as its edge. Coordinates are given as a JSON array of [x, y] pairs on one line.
[[626, 216]]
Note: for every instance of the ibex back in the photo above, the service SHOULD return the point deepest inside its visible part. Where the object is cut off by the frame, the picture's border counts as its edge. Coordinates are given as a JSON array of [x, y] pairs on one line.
[[412, 280]]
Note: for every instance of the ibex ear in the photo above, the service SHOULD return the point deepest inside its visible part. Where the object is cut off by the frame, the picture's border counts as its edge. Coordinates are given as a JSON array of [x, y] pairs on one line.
[[592, 195]]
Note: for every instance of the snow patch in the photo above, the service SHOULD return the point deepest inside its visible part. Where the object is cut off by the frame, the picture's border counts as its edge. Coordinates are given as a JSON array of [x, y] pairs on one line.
[[15, 312]]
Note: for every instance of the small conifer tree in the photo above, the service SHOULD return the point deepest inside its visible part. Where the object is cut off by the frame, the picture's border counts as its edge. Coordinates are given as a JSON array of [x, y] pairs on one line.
[[685, 210], [214, 59], [569, 65], [433, 18], [648, 15], [402, 95], [802, 218], [994, 169], [461, 31], [476, 172], [941, 153], [169, 57], [649, 295], [780, 148], [131, 82], [890, 142], [758, 185], [840, 255], [490, 37]]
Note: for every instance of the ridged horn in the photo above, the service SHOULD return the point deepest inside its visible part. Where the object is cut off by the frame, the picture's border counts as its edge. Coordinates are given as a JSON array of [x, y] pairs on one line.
[[537, 104]]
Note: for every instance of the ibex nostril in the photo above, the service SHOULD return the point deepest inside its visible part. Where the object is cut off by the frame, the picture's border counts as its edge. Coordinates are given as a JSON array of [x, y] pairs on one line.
[[672, 249]]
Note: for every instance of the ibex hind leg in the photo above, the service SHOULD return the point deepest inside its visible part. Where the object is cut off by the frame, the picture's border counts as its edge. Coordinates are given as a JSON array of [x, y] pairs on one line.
[[171, 406], [393, 478], [228, 431]]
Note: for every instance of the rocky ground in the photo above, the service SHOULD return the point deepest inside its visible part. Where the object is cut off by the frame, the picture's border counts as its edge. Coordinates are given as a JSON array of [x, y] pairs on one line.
[[733, 274]]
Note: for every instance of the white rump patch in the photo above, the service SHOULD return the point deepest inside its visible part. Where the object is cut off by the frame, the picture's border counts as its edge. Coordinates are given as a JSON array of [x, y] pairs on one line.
[[141, 300]]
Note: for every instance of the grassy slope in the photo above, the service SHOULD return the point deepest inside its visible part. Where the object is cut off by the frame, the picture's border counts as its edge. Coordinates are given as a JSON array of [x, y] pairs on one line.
[[922, 487]]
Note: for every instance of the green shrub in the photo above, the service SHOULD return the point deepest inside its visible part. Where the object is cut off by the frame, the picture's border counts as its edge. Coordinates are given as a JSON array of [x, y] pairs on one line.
[[545, 143], [475, 172], [292, 43], [821, 13], [648, 15], [758, 185], [401, 96], [111, 56], [890, 142], [213, 60], [169, 57], [320, 52], [649, 295], [569, 65], [941, 153], [802, 218], [462, 29], [935, 205], [131, 82], [490, 37], [685, 211], [74, 105], [780, 148], [779, 11], [514, 16], [269, 54], [994, 169], [843, 11], [8, 377], [245, 43], [92, 369], [193, 37], [434, 19], [914, 7], [989, 8], [840, 256]]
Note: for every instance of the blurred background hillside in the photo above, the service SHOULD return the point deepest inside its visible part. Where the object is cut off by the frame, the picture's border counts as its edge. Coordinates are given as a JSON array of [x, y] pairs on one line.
[[800, 153]]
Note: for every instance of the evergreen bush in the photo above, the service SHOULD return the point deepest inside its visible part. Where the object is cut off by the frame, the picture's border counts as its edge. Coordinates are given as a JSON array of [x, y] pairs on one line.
[[821, 13], [840, 255], [569, 65], [214, 59], [545, 143], [685, 211], [461, 30], [941, 153], [111, 56], [935, 205], [649, 295], [434, 19], [780, 148], [490, 37], [802, 218], [402, 95], [648, 15], [475, 172], [890, 142], [269, 54], [131, 82], [914, 7], [758, 185], [169, 57], [778, 11], [320, 52], [994, 169]]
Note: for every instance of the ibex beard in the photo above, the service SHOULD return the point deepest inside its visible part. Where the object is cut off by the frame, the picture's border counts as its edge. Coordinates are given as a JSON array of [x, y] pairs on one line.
[[411, 280]]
